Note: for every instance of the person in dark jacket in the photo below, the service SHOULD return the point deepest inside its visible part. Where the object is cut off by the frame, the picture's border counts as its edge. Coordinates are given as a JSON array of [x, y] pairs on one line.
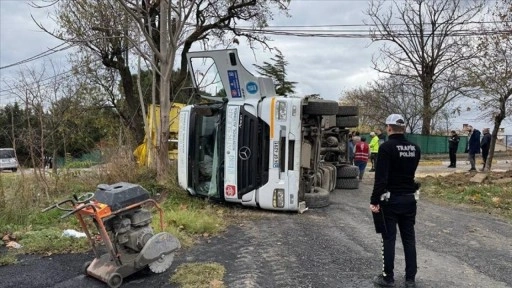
[[393, 200], [351, 148], [473, 146], [485, 144], [382, 136], [453, 145]]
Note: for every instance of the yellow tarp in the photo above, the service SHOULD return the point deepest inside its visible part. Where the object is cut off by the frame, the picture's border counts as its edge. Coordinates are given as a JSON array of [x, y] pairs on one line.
[[141, 153]]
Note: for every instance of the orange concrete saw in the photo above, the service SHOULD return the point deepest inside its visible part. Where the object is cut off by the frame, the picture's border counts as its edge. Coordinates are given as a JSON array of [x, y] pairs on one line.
[[117, 211]]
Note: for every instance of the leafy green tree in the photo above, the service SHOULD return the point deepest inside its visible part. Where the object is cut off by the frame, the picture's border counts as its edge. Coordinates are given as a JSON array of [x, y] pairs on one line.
[[12, 123], [277, 72]]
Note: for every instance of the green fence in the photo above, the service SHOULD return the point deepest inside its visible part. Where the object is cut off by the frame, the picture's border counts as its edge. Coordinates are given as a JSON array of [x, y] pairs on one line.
[[434, 144], [94, 157]]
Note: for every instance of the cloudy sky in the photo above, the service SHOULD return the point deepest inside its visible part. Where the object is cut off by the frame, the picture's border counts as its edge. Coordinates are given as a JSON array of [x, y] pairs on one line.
[[324, 66]]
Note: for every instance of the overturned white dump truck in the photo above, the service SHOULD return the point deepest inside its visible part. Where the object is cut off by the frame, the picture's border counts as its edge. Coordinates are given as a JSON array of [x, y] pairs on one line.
[[249, 146]]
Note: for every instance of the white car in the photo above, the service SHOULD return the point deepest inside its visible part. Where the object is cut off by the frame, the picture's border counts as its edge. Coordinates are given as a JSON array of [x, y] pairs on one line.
[[8, 159]]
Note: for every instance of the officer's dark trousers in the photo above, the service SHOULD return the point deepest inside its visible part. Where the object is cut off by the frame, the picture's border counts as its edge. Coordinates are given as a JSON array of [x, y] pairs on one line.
[[484, 156], [373, 158], [453, 157], [401, 211]]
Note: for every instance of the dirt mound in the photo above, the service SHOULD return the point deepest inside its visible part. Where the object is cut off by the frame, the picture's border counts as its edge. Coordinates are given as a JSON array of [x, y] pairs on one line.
[[463, 178]]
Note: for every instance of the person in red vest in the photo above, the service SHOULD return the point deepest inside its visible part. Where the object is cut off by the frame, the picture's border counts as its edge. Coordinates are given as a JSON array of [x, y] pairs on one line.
[[361, 154]]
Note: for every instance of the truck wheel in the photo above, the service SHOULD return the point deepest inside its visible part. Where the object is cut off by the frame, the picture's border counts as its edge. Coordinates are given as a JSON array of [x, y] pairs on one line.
[[348, 111], [348, 171], [347, 183], [320, 107], [347, 121], [318, 199]]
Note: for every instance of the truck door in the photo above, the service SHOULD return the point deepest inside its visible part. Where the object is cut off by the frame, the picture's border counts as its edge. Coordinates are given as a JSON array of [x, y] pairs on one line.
[[219, 74]]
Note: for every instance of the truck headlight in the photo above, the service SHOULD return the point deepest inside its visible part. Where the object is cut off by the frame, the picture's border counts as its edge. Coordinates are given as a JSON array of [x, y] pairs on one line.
[[281, 110], [278, 198]]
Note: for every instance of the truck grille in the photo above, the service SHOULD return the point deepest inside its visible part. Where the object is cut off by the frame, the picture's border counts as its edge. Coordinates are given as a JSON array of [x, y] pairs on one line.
[[253, 138]]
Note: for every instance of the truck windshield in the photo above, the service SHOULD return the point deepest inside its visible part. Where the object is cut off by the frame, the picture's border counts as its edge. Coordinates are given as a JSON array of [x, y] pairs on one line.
[[6, 153], [206, 154]]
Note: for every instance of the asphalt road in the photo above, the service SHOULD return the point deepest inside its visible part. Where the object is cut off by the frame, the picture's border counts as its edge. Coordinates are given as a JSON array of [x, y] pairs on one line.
[[329, 247]]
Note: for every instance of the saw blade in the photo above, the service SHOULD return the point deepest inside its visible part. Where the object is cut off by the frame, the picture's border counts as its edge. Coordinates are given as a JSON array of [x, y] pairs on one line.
[[162, 264]]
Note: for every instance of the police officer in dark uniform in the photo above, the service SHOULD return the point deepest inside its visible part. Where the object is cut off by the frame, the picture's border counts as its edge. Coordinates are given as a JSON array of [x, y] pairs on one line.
[[393, 200], [453, 146]]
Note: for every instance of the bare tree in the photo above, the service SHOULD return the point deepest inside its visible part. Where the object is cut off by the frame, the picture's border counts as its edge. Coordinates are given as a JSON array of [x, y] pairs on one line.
[[100, 31], [386, 96], [35, 90], [427, 40], [106, 29], [491, 72], [443, 120], [171, 28]]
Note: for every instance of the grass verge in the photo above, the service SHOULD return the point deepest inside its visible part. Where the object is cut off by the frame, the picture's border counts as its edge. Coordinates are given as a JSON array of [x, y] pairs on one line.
[[8, 258], [199, 275], [489, 196], [24, 195]]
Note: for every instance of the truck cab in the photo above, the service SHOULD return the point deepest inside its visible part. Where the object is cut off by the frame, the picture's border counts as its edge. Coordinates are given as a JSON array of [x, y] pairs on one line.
[[246, 145]]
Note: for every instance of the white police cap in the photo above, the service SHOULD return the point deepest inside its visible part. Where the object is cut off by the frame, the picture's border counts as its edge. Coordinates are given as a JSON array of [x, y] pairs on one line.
[[395, 119]]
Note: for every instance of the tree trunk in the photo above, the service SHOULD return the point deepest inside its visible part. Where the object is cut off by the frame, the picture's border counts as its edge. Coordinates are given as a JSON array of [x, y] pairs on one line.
[[494, 136], [426, 111], [165, 89], [135, 121]]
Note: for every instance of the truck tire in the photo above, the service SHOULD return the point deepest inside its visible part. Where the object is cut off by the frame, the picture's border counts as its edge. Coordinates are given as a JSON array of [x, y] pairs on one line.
[[318, 199], [347, 121], [348, 171], [347, 183], [348, 111], [320, 107]]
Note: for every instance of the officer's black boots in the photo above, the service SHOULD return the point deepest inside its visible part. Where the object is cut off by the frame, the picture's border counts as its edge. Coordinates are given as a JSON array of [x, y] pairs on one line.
[[381, 281]]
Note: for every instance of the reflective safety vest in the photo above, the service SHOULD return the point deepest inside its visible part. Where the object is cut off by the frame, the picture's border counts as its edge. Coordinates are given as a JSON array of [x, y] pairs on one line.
[[374, 144], [362, 150]]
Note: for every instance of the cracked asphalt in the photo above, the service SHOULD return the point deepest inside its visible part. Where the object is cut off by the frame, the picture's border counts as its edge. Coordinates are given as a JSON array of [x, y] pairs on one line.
[[330, 247]]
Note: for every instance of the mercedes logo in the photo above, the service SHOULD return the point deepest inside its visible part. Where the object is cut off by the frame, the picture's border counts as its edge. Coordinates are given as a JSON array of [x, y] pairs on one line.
[[244, 153]]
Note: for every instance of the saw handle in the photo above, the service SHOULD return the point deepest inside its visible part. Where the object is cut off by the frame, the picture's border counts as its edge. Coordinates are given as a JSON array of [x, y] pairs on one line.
[[71, 212], [84, 197], [74, 201], [58, 205]]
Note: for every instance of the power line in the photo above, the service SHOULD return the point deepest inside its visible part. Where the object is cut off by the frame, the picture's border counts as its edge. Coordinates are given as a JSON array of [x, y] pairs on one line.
[[270, 28], [40, 81], [40, 55], [370, 25], [367, 33]]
